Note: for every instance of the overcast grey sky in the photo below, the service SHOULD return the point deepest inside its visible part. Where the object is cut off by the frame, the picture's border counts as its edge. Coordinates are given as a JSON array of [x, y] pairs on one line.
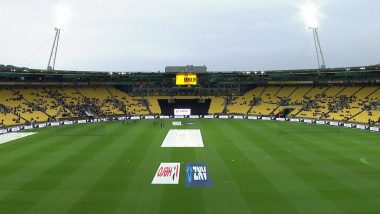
[[147, 35]]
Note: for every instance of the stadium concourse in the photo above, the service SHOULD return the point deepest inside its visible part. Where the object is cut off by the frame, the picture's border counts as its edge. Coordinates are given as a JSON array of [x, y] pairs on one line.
[[355, 104]]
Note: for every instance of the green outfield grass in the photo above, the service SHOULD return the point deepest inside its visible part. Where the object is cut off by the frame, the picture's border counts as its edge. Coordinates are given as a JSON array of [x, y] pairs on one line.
[[255, 167]]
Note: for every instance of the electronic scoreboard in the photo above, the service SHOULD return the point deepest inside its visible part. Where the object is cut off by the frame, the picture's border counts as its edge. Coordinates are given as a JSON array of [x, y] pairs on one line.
[[186, 79]]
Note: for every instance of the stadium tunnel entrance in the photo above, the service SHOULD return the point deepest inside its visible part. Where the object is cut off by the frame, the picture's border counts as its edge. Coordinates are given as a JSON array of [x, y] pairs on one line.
[[197, 106]]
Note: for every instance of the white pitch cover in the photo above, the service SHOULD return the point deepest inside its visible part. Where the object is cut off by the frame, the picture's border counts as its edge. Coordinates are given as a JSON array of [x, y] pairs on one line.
[[167, 173], [183, 138]]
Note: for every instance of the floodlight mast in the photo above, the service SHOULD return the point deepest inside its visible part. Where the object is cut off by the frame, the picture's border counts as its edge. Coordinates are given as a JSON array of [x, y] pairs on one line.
[[54, 50], [318, 49]]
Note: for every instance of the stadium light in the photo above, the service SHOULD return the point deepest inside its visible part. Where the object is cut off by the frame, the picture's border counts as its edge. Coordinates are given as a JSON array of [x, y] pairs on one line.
[[62, 15], [310, 15]]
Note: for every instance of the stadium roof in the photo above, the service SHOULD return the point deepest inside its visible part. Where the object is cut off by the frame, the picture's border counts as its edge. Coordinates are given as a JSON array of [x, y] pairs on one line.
[[361, 74]]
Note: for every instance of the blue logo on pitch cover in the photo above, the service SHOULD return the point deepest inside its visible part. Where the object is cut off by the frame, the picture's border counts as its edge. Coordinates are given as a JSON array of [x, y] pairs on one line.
[[197, 175]]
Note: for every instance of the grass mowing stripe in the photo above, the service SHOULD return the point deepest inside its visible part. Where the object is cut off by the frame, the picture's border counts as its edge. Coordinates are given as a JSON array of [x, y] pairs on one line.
[[11, 150], [318, 146], [315, 165], [29, 145], [17, 160], [139, 196], [362, 177], [38, 144], [355, 137], [352, 167], [225, 195], [109, 189], [353, 154], [334, 152], [53, 174], [86, 173], [356, 186], [286, 167], [254, 186], [344, 187], [178, 197], [33, 164], [293, 184]]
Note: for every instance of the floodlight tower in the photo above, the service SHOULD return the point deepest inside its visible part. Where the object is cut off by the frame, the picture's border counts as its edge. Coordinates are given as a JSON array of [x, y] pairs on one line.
[[310, 15], [318, 49], [54, 50], [62, 15]]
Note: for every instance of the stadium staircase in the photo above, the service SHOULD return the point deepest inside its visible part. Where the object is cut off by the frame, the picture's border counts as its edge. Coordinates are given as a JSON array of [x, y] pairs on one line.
[[217, 105], [261, 93], [11, 119], [312, 93], [291, 93], [302, 98], [45, 98], [361, 88], [153, 105], [279, 107], [278, 91], [346, 104], [369, 95], [77, 90], [336, 104], [355, 104], [225, 103], [67, 99], [364, 110], [117, 102], [37, 112], [268, 102], [296, 98], [100, 100], [9, 115], [132, 104], [242, 104], [57, 95], [147, 104]]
